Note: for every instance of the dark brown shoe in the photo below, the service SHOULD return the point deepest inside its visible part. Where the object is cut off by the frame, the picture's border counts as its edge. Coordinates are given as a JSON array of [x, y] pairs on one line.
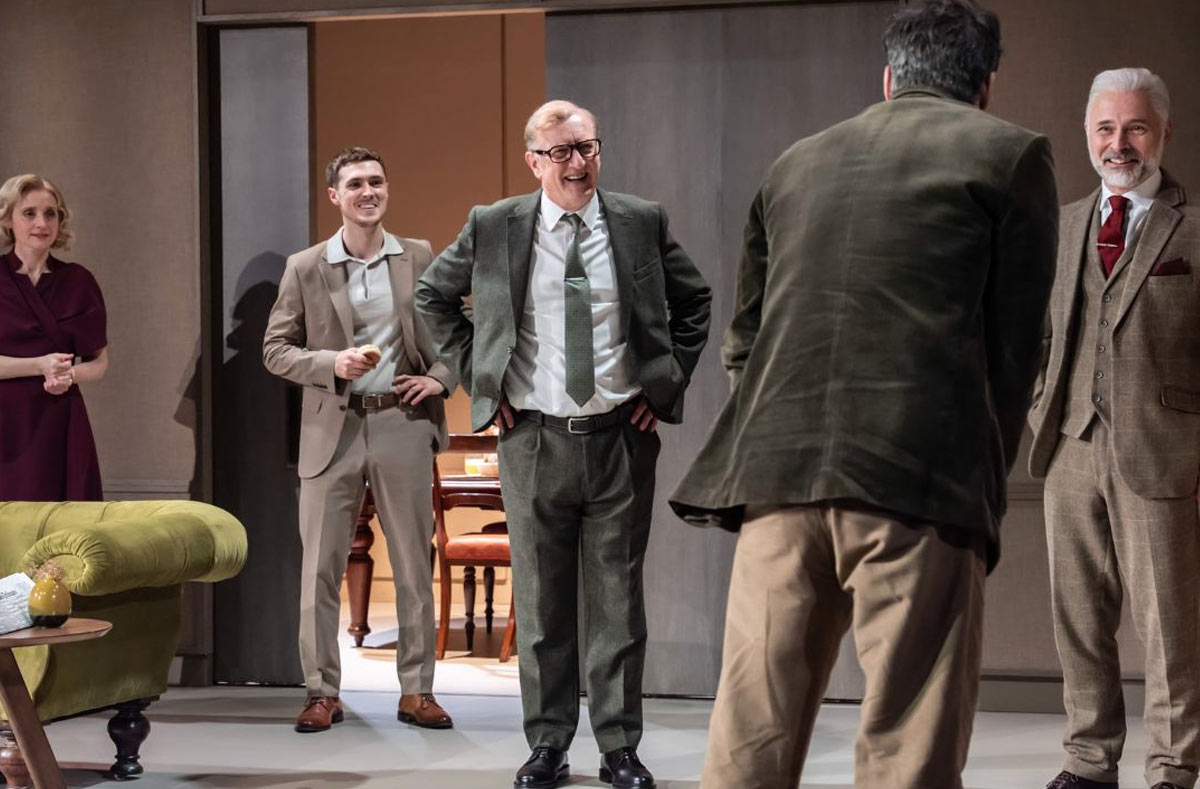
[[320, 712], [422, 709]]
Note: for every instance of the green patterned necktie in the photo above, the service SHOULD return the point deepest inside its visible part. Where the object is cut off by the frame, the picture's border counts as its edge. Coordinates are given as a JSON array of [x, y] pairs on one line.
[[577, 308]]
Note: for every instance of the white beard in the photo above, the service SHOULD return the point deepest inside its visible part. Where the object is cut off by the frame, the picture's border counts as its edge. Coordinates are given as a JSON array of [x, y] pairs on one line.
[[1125, 179]]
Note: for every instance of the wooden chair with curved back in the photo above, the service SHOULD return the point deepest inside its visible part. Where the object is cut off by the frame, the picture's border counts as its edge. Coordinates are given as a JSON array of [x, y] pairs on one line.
[[487, 548]]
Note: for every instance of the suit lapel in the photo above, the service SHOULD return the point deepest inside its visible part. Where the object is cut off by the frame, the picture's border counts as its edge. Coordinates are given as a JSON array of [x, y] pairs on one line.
[[621, 237], [519, 242], [1073, 241], [335, 280], [400, 274], [1160, 224]]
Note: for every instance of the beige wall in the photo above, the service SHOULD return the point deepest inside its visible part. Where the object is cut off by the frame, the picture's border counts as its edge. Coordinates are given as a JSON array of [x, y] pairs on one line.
[[100, 98]]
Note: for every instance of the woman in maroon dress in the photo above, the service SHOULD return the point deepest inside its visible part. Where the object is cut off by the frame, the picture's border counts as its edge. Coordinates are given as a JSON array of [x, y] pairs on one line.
[[52, 337]]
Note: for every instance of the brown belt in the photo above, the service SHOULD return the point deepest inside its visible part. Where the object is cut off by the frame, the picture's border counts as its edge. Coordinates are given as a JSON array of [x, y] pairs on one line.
[[370, 403]]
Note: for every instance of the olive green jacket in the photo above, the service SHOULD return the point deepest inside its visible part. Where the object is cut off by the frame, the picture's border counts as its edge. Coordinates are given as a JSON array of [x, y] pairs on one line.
[[888, 320], [664, 300]]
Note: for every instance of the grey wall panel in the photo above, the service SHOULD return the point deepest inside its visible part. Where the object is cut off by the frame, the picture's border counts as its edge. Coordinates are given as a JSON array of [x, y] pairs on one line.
[[264, 194], [776, 74], [693, 106]]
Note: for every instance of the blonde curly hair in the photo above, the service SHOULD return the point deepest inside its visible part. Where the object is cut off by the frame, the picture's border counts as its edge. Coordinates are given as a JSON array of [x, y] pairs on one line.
[[17, 188]]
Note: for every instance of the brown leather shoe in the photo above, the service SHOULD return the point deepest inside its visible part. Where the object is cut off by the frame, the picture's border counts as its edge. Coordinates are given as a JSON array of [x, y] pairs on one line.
[[422, 709], [320, 712]]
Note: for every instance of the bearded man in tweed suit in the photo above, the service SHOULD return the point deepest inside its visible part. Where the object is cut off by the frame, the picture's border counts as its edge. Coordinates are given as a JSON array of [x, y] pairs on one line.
[[1117, 436]]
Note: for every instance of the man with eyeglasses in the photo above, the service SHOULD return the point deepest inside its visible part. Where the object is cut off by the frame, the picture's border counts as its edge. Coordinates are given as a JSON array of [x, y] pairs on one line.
[[587, 320]]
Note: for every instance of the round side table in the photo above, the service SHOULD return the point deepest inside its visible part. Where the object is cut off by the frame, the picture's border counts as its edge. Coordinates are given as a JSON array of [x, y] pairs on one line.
[[26, 727]]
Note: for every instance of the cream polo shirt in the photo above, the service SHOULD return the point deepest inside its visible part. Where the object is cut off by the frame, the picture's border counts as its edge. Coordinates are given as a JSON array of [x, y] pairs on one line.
[[373, 312]]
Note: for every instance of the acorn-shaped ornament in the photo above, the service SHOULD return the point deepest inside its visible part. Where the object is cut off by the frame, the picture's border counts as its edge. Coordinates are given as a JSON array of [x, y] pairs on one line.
[[50, 600]]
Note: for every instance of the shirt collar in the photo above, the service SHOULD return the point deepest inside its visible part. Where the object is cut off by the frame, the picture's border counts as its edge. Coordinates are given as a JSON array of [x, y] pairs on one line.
[[1142, 195], [552, 212], [335, 248]]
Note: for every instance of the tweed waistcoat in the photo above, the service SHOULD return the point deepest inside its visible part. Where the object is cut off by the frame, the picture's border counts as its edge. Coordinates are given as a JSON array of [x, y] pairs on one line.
[[1089, 391]]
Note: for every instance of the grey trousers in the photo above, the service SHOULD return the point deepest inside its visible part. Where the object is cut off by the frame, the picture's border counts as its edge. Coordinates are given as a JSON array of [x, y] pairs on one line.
[[578, 510], [801, 576], [1105, 541], [394, 449]]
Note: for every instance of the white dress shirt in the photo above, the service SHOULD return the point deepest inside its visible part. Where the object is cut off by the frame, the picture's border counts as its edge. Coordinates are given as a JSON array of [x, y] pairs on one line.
[[373, 313], [1140, 197], [536, 375]]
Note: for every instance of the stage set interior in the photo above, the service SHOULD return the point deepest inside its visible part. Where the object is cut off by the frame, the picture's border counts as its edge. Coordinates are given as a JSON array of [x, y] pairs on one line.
[[190, 138]]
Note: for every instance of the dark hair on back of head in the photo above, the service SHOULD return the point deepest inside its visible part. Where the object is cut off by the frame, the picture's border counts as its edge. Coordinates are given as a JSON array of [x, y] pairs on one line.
[[949, 45]]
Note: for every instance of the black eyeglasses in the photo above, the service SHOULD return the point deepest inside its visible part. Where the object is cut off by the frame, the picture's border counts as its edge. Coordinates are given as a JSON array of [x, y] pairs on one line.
[[588, 149]]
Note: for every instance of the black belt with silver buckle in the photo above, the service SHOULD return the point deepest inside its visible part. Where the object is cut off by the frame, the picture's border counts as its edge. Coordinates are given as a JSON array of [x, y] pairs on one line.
[[370, 403], [581, 425]]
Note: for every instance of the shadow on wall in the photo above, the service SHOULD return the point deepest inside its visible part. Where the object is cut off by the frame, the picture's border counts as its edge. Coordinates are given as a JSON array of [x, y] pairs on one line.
[[187, 413], [255, 435]]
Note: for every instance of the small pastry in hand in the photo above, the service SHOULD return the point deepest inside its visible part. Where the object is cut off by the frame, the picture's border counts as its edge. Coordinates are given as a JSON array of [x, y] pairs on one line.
[[372, 353]]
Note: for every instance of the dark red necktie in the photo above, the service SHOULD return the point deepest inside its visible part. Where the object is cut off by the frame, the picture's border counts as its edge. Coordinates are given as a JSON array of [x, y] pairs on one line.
[[1111, 238]]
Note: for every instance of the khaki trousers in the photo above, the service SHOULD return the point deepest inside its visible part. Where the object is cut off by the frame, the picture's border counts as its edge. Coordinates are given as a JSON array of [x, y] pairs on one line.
[[801, 576], [393, 448], [1105, 541]]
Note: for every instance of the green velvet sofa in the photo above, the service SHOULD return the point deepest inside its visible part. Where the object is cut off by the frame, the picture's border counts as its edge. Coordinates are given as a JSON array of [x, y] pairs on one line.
[[125, 563]]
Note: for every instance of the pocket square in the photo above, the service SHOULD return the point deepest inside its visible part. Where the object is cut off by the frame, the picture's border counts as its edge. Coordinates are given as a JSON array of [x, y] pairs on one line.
[[1172, 267]]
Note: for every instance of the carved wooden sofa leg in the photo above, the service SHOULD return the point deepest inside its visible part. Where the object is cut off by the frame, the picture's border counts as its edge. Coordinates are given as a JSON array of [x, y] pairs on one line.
[[128, 730]]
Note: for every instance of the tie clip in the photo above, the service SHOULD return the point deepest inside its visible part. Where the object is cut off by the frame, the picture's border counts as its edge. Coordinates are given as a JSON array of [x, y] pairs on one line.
[[1106, 244]]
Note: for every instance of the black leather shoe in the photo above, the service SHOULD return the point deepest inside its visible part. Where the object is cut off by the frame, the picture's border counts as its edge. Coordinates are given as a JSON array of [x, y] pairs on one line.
[[1166, 785], [1066, 780], [624, 770], [545, 767]]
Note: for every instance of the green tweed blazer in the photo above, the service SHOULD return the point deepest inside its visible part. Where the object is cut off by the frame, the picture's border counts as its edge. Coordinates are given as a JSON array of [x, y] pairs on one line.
[[664, 299], [888, 322]]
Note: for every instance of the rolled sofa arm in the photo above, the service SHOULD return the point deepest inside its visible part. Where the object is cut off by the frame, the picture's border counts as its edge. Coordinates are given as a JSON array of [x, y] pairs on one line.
[[110, 547]]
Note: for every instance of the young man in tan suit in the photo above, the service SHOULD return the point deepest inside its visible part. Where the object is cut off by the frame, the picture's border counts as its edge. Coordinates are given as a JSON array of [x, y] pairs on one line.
[[365, 416], [1117, 436]]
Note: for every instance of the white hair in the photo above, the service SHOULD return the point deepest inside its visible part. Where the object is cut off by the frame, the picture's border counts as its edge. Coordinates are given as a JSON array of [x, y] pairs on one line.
[[1127, 80]]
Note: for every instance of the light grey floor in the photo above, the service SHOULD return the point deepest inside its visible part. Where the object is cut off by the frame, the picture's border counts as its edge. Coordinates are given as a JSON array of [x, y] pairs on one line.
[[241, 738]]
